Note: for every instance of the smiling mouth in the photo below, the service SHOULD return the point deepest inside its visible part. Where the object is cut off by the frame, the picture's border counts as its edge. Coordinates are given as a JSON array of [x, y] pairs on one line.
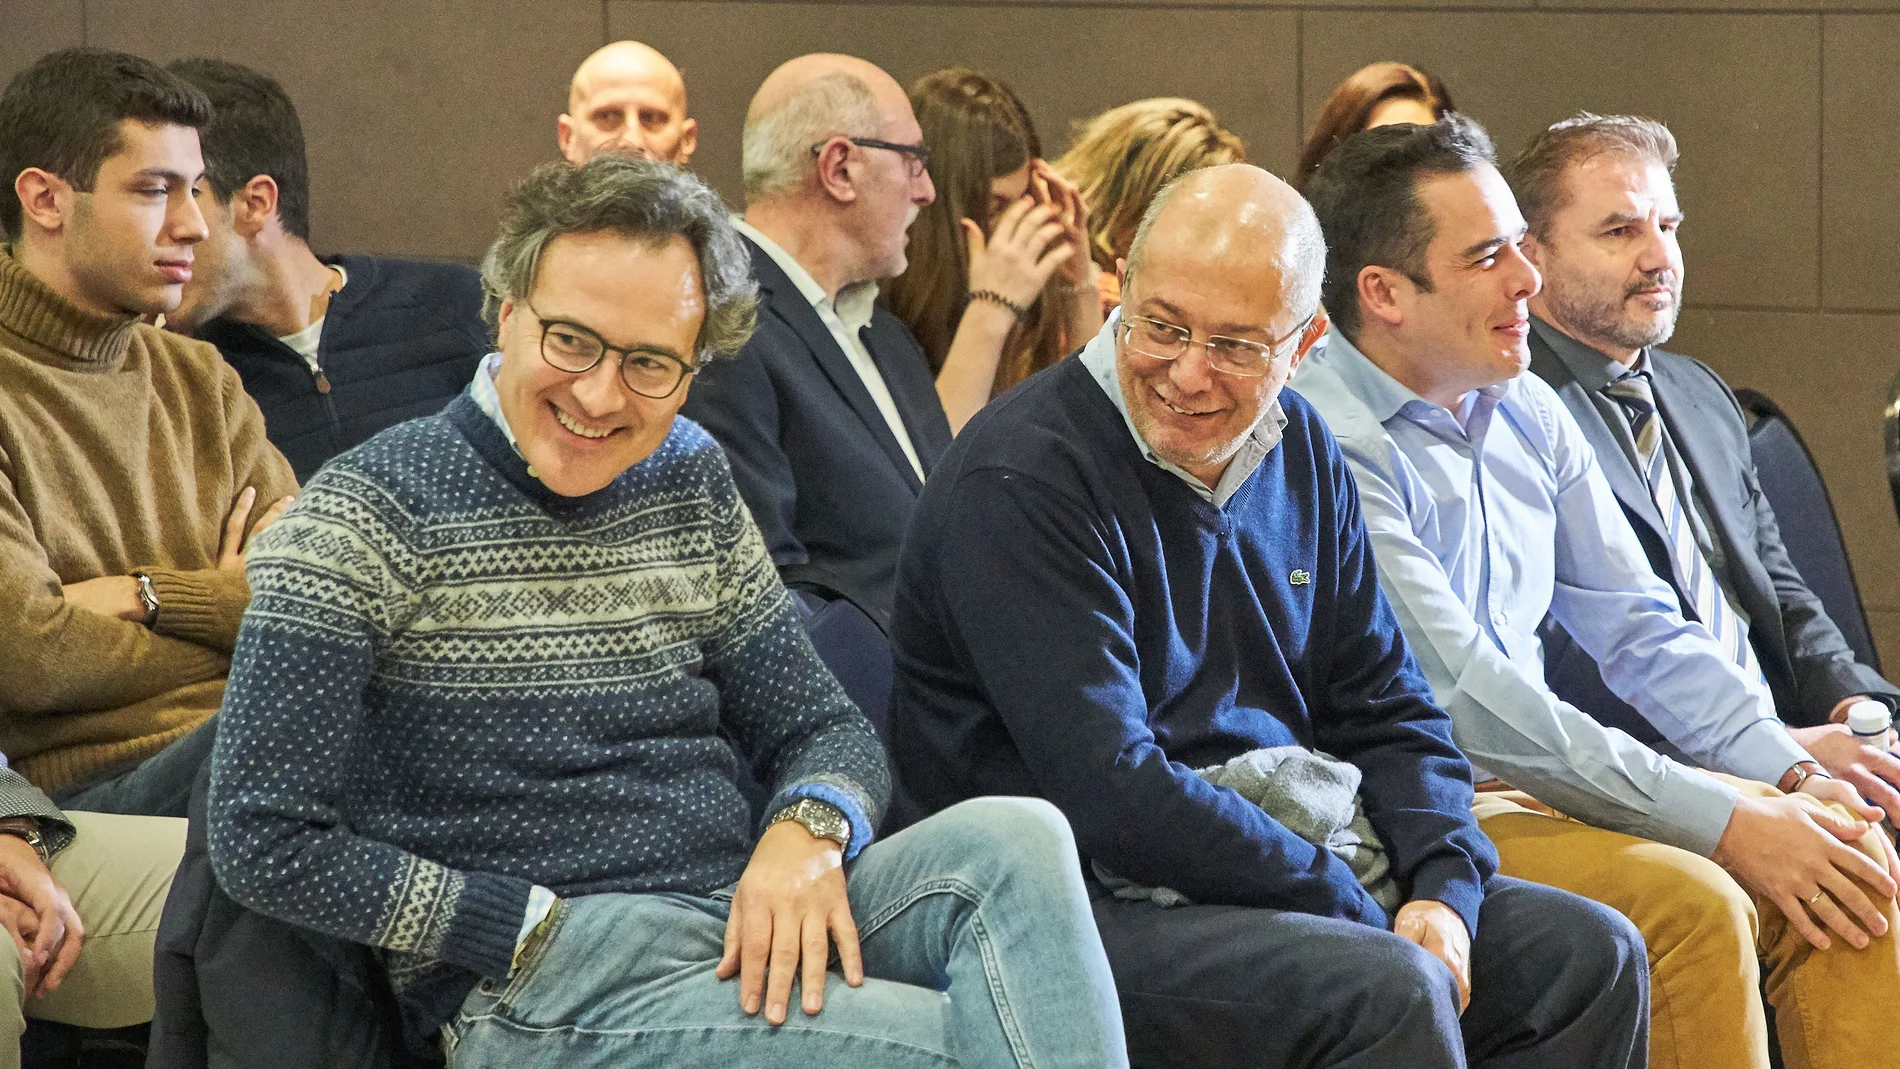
[[1172, 407], [574, 426]]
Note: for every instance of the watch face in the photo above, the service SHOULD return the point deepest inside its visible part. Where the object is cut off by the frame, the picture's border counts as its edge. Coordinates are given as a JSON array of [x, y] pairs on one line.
[[823, 821]]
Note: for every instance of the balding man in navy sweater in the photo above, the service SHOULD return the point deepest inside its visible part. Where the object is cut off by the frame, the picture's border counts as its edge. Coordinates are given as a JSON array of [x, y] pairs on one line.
[[1147, 561]]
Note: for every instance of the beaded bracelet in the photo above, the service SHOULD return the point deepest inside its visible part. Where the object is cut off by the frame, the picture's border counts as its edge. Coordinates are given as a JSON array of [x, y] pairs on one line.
[[1019, 311]]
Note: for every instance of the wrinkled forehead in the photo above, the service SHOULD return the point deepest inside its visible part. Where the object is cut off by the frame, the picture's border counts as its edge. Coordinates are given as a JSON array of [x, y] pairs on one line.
[[1243, 281], [1617, 183]]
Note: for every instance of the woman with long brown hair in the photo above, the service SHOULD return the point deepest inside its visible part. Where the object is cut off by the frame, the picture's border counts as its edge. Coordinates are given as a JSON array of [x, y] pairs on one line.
[[1121, 159], [1378, 94], [999, 285]]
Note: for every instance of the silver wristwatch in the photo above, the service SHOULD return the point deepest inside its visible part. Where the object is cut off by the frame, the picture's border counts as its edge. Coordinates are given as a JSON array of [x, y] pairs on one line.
[[148, 598], [822, 819]]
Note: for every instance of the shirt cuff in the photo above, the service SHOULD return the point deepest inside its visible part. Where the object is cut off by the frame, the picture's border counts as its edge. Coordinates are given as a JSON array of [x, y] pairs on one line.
[[1765, 752], [1692, 810], [540, 904]]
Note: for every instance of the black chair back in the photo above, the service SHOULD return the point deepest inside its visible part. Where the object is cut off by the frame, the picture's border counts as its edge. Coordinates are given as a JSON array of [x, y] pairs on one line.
[[1893, 442], [1809, 527]]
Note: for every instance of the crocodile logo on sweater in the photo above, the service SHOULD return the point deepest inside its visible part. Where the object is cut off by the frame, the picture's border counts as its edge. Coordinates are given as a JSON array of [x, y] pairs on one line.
[[1300, 577]]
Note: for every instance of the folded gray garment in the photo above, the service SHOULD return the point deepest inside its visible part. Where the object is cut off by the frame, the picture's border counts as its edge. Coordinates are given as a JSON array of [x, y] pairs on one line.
[[1314, 796]]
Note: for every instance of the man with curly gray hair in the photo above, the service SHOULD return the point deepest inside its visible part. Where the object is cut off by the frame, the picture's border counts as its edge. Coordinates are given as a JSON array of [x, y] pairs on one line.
[[503, 667]]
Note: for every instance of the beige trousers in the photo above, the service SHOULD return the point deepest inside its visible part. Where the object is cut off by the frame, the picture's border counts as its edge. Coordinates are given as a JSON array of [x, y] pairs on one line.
[[118, 871], [1709, 943]]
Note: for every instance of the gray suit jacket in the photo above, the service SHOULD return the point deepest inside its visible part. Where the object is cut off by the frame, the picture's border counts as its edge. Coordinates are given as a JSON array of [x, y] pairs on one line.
[[1808, 664]]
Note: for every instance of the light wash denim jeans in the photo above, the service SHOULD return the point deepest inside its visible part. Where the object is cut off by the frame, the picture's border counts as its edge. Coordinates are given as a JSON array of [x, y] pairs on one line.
[[980, 950]]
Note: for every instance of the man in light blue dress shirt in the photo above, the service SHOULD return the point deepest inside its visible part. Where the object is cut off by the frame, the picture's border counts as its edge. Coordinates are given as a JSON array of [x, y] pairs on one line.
[[1487, 511]]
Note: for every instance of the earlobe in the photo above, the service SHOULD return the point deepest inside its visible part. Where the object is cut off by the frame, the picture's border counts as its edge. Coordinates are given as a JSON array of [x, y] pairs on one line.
[[39, 198], [834, 172], [256, 205], [689, 140], [1378, 294], [563, 133]]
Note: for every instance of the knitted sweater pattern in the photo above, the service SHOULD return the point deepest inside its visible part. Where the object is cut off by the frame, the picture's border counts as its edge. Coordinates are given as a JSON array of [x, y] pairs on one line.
[[453, 684]]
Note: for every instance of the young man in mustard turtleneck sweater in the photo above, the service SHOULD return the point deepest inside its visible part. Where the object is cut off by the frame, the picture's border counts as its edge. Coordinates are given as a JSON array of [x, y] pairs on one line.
[[131, 460], [124, 452]]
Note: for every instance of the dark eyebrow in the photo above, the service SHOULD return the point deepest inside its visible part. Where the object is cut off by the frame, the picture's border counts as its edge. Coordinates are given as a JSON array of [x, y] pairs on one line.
[[162, 173], [1488, 246]]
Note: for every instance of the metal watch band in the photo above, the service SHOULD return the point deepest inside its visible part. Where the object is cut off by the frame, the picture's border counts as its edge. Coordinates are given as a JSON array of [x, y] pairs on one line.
[[822, 819], [148, 597]]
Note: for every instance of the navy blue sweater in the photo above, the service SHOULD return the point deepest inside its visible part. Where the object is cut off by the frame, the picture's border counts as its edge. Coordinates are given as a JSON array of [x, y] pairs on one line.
[[399, 341], [452, 684], [1075, 623]]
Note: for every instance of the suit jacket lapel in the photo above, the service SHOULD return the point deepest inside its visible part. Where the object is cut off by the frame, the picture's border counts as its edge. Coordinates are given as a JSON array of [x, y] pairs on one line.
[[907, 373], [1630, 489], [783, 299]]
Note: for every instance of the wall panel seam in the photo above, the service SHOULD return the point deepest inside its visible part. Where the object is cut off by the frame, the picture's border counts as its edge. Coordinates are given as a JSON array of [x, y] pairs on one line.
[[1502, 7]]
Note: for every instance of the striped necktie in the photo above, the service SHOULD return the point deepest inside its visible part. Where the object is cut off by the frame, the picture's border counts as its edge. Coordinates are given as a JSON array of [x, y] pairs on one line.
[[1638, 398]]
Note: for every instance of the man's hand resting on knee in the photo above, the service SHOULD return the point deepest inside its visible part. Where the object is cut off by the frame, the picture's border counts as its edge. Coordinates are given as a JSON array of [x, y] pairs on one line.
[[1796, 852], [38, 915], [1439, 929], [789, 907]]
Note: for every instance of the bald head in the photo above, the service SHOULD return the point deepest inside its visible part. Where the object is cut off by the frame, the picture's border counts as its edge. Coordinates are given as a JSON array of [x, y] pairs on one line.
[[1239, 220], [627, 97], [812, 98], [1229, 252]]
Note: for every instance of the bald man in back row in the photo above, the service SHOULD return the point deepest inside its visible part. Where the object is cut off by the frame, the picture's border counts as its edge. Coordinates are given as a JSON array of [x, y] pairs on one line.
[[627, 97], [830, 413], [1139, 587]]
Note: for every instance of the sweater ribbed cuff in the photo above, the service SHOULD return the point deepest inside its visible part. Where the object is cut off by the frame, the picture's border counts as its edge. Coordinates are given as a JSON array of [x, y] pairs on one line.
[[1453, 881], [201, 607], [487, 921]]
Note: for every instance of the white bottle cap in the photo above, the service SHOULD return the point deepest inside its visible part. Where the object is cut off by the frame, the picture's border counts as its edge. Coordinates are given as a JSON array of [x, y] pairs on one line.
[[1869, 717]]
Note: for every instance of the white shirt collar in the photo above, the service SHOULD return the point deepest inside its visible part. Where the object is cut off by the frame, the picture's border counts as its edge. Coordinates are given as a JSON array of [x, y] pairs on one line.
[[854, 303]]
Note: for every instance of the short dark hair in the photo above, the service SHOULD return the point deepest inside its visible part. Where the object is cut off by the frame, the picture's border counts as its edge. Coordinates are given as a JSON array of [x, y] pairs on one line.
[[1366, 197], [253, 130], [1537, 174], [62, 115]]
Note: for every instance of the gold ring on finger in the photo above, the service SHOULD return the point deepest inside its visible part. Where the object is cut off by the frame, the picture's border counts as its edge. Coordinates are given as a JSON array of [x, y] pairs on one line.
[[1817, 896]]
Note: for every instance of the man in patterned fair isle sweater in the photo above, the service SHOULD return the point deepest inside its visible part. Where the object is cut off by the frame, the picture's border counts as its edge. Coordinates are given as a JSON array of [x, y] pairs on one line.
[[499, 674]]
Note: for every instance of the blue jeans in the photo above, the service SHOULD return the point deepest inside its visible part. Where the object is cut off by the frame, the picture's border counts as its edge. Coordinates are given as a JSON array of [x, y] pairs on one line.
[[979, 950]]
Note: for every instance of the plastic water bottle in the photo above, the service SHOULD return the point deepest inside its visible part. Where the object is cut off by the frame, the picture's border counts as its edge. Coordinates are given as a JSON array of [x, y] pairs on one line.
[[1870, 721]]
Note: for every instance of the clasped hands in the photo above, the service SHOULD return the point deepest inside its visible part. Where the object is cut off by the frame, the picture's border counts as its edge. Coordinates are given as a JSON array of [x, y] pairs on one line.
[[39, 915]]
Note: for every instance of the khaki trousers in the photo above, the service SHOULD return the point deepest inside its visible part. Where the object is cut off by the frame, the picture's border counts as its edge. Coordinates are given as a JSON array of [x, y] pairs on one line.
[[118, 871], [1709, 941]]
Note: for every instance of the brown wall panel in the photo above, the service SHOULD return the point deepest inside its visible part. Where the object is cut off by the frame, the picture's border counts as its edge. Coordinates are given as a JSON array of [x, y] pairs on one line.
[[33, 28], [1066, 64], [1886, 628], [1830, 373], [1860, 145], [1741, 92], [417, 115]]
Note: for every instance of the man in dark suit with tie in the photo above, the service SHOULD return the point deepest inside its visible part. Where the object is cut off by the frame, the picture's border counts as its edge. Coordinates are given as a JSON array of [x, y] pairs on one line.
[[1599, 197], [830, 415]]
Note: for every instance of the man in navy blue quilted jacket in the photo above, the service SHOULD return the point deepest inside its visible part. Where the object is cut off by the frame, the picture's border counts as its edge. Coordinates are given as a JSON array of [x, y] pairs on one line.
[[332, 348]]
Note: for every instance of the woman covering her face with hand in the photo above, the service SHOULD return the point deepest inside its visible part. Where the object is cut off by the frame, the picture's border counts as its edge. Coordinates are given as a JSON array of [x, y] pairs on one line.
[[1000, 284]]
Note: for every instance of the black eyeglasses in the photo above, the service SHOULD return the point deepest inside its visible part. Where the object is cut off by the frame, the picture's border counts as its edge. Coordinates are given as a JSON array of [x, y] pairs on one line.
[[575, 349], [918, 155]]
